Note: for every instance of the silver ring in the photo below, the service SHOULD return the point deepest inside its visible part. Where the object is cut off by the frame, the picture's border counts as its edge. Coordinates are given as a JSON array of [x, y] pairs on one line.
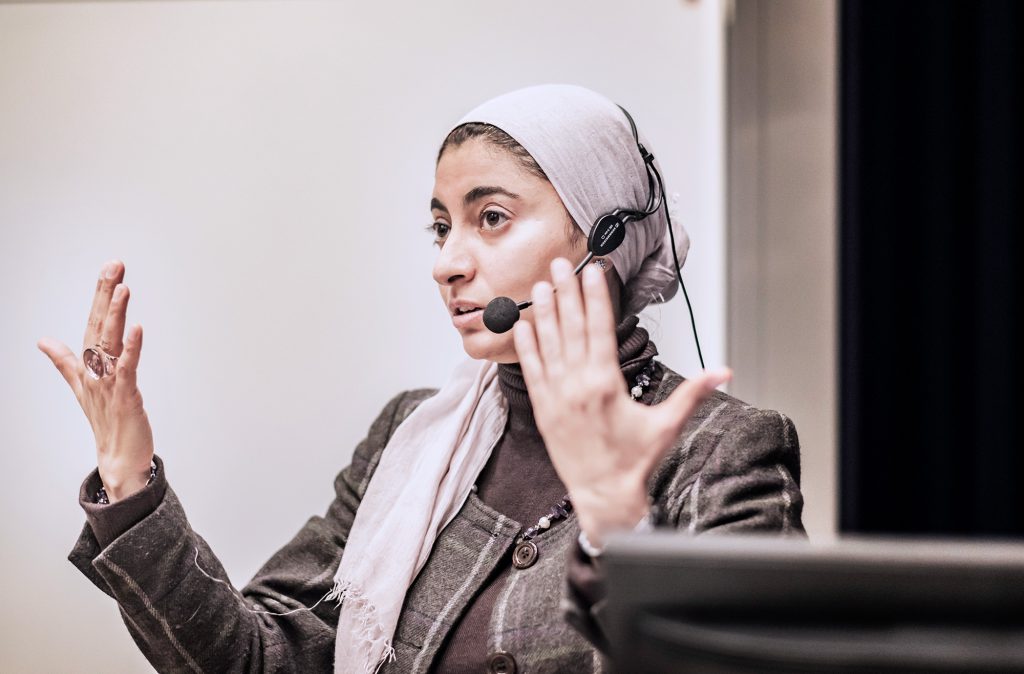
[[98, 363]]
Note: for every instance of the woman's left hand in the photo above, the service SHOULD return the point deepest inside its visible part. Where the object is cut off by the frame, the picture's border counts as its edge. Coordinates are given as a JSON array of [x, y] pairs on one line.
[[603, 444]]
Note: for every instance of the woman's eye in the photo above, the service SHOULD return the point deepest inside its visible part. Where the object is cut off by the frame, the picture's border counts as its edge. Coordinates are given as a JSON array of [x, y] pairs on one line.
[[440, 230], [494, 218]]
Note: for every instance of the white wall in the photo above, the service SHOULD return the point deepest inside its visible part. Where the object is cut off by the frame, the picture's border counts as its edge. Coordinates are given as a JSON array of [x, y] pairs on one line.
[[264, 170]]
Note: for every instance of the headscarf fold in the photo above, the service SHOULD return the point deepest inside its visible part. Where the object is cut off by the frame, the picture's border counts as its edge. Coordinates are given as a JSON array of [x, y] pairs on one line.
[[585, 146]]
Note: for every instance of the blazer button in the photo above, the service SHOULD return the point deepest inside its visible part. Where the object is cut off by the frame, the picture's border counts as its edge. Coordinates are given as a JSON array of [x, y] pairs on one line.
[[524, 555], [501, 662]]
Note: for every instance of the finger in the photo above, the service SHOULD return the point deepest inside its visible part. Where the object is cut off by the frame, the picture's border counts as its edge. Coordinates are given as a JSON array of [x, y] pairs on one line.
[[128, 363], [529, 360], [545, 324], [602, 345], [64, 360], [113, 325], [111, 274], [683, 402], [570, 312]]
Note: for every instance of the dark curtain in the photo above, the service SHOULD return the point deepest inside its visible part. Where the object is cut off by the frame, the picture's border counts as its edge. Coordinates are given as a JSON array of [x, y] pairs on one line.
[[931, 193]]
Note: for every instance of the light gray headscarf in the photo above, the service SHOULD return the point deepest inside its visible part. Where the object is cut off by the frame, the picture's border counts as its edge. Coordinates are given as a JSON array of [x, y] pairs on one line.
[[585, 145], [425, 474]]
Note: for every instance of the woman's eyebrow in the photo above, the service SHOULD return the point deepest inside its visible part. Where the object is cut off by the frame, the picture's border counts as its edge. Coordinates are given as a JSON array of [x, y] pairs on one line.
[[485, 191], [473, 195]]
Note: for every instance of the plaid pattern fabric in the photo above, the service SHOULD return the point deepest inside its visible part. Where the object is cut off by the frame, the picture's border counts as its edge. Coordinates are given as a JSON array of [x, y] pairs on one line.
[[734, 468]]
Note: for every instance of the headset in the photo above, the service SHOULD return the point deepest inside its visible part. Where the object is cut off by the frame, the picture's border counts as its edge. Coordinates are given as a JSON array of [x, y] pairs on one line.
[[607, 234]]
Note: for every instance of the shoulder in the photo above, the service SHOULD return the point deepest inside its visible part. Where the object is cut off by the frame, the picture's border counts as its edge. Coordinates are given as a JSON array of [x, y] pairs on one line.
[[367, 454], [402, 405], [395, 412], [720, 412], [725, 436]]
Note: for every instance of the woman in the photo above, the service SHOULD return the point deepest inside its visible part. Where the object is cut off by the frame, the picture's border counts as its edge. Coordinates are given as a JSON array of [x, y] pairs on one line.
[[450, 551]]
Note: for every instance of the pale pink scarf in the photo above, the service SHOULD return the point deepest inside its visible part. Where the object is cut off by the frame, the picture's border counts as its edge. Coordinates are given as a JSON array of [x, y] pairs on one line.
[[585, 146]]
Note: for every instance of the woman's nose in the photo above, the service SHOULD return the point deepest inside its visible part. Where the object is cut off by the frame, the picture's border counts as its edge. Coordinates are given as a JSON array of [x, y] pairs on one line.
[[454, 262]]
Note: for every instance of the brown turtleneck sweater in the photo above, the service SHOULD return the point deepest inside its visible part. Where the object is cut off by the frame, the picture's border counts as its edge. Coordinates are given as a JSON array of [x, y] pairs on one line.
[[520, 482]]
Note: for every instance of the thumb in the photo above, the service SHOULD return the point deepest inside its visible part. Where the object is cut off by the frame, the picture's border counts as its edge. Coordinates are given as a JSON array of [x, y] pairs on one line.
[[683, 402], [64, 360]]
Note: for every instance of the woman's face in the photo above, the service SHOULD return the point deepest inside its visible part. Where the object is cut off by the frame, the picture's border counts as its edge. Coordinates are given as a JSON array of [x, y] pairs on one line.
[[498, 227]]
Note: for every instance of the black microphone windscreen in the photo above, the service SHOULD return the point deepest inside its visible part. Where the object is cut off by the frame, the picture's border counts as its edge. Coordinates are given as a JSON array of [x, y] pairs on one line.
[[501, 314]]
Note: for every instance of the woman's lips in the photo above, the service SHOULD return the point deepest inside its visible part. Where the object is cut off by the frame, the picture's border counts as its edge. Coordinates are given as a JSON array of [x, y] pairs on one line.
[[472, 318]]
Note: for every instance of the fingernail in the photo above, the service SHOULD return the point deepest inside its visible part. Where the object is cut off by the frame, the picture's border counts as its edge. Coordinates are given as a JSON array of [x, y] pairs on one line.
[[110, 270], [561, 269], [720, 377], [542, 292]]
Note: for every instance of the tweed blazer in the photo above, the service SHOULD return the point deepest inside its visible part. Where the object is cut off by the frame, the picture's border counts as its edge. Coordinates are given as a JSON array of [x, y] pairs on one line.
[[734, 468]]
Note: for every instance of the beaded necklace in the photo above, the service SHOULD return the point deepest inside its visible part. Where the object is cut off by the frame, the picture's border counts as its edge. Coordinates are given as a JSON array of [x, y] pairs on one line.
[[525, 554], [643, 380]]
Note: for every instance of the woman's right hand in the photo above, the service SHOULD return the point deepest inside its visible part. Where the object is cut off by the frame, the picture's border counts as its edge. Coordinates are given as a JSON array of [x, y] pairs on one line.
[[113, 404]]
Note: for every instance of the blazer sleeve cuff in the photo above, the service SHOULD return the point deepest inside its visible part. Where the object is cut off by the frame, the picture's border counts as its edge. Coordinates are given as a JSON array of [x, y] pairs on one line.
[[108, 521]]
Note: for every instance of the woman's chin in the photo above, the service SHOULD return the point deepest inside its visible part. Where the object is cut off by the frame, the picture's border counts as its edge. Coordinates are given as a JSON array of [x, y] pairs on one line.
[[485, 345]]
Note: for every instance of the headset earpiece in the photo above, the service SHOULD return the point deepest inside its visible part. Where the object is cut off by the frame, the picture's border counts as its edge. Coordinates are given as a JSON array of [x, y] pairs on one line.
[[610, 230], [606, 235]]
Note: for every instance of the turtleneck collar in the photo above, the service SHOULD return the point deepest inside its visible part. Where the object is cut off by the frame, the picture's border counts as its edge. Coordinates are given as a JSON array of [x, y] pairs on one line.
[[635, 351]]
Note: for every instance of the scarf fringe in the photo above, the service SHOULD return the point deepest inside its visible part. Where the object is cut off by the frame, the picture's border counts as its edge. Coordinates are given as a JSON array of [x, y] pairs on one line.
[[370, 631]]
